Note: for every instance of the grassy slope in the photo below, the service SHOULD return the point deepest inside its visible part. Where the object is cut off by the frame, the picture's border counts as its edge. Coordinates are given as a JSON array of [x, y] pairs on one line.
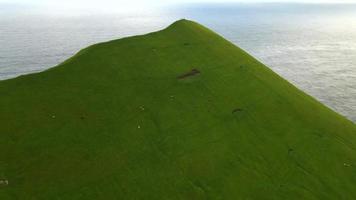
[[72, 132]]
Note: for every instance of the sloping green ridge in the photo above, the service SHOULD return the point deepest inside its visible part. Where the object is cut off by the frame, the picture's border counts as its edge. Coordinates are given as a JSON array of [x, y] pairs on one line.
[[116, 122]]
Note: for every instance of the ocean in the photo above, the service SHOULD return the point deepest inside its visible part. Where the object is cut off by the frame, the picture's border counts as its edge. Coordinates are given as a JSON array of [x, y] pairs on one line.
[[311, 45]]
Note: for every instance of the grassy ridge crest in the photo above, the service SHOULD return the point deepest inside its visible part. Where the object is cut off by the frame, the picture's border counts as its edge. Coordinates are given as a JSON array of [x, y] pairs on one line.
[[179, 113]]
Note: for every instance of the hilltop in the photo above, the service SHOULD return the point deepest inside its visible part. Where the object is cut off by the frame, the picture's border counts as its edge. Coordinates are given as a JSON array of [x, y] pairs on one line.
[[180, 113]]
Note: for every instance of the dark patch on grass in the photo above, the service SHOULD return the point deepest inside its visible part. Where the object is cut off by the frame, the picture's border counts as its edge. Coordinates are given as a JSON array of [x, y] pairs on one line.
[[290, 150], [186, 44], [319, 134], [237, 110], [193, 72]]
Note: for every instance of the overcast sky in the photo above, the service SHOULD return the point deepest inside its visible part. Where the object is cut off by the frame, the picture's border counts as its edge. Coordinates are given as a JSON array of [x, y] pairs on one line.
[[134, 4]]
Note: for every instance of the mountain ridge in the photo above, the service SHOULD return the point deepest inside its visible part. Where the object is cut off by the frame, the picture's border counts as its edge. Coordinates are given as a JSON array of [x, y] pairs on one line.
[[180, 113]]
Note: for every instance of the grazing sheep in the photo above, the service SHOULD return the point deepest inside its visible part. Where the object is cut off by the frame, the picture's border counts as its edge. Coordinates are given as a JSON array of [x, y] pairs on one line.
[[4, 182], [347, 165]]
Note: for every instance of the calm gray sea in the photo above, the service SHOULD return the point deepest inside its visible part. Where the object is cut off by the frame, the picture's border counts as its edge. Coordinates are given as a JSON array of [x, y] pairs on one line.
[[312, 46]]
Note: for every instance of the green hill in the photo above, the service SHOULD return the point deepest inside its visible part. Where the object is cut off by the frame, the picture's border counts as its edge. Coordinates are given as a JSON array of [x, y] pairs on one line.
[[177, 114]]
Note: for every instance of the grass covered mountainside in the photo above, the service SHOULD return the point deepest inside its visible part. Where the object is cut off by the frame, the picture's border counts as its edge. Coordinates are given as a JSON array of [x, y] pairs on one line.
[[176, 114]]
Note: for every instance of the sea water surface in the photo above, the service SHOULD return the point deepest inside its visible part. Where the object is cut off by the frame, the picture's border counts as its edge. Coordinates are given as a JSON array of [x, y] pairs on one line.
[[311, 45]]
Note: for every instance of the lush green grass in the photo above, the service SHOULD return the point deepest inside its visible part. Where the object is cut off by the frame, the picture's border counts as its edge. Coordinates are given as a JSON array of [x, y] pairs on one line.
[[114, 122]]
